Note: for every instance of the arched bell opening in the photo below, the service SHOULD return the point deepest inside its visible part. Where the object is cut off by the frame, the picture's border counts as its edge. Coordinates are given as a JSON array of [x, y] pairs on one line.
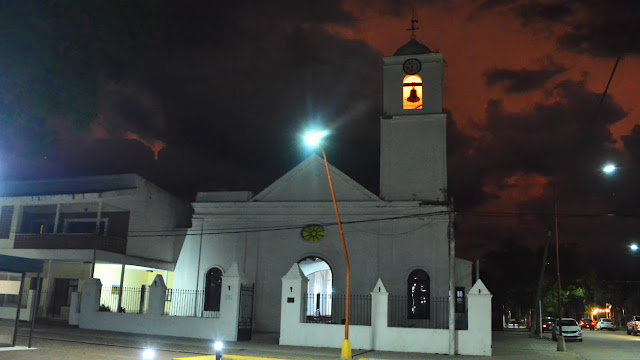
[[412, 92]]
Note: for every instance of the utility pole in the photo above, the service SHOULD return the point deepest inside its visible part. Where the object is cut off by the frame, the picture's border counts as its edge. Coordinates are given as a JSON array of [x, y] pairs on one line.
[[452, 288], [535, 326], [561, 345]]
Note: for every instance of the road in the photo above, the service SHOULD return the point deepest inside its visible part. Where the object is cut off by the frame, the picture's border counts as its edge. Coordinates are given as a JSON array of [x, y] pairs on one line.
[[605, 345]]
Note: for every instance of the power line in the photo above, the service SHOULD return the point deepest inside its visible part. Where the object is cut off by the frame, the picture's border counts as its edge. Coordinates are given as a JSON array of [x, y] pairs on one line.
[[495, 215]]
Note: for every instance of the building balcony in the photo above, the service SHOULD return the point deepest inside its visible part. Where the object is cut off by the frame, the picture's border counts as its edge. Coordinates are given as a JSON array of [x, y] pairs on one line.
[[70, 241]]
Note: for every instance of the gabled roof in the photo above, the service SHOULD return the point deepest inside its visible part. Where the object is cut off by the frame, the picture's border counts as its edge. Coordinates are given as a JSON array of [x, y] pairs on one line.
[[308, 182]]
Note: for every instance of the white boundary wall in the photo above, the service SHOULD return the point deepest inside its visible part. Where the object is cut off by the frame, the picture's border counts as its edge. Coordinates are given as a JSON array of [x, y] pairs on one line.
[[155, 323], [293, 331]]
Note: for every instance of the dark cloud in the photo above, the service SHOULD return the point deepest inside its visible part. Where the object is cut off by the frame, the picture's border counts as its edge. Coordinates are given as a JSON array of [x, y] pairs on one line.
[[523, 80], [230, 93], [535, 11], [608, 28], [599, 27]]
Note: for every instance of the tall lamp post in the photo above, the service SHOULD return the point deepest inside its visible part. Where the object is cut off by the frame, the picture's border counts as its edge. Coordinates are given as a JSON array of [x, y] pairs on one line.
[[607, 169], [313, 139]]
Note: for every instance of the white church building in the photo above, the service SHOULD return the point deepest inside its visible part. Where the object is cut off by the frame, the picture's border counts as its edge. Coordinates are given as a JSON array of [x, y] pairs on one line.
[[399, 235]]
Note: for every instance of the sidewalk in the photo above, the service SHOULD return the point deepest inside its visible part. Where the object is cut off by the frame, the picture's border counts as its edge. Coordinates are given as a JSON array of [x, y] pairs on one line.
[[506, 345]]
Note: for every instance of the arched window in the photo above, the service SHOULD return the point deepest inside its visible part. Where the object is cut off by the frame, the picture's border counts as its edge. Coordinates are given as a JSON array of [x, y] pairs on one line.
[[418, 286], [213, 289], [412, 92]]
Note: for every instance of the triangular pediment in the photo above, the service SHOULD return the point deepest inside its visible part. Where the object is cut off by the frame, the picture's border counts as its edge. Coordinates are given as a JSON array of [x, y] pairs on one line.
[[479, 289], [308, 182]]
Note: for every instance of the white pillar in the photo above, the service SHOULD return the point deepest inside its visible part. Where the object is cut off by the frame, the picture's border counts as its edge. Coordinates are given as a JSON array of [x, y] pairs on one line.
[[157, 294], [479, 322], [74, 315], [15, 221], [229, 304], [57, 220], [90, 303], [379, 318], [31, 297], [294, 285]]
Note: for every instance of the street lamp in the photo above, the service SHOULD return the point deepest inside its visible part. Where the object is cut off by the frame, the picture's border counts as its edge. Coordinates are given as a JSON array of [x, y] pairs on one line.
[[609, 168], [313, 139], [634, 247]]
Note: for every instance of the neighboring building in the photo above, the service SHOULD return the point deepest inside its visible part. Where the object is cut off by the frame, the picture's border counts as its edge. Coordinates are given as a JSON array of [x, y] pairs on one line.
[[400, 236], [92, 226]]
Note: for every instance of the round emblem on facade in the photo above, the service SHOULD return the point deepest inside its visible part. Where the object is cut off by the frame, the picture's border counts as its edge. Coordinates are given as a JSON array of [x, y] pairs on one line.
[[312, 233]]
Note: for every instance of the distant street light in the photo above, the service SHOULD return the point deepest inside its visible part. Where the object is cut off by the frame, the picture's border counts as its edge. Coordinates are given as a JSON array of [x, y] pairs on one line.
[[313, 139], [634, 247], [609, 168]]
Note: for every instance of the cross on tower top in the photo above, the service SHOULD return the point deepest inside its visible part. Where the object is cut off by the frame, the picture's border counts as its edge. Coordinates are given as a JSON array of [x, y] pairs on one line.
[[413, 28]]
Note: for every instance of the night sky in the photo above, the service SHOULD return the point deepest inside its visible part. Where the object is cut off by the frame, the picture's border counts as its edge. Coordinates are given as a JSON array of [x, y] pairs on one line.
[[221, 93]]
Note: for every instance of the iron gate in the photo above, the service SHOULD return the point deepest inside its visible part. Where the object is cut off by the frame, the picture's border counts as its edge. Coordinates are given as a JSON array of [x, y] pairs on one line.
[[245, 319]]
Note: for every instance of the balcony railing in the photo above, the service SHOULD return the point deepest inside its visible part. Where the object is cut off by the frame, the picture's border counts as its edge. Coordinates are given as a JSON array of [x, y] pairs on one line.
[[70, 241]]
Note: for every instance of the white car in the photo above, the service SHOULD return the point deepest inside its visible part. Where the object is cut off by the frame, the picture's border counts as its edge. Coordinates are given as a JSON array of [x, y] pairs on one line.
[[571, 330], [604, 324]]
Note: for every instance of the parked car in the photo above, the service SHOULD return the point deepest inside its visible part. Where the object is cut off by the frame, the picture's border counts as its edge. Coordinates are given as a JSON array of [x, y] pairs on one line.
[[633, 326], [571, 330], [547, 324], [605, 324], [588, 323]]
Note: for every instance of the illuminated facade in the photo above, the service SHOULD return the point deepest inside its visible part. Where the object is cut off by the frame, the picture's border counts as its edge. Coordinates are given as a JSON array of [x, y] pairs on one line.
[[399, 236]]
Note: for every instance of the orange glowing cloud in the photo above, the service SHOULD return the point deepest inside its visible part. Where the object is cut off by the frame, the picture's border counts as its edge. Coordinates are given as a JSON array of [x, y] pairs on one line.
[[155, 145], [472, 45]]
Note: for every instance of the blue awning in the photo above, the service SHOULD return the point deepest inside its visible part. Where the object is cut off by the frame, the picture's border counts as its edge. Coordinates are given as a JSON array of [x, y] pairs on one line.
[[20, 265]]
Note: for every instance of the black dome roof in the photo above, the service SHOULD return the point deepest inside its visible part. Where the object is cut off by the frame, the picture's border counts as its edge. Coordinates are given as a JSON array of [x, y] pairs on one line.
[[413, 47]]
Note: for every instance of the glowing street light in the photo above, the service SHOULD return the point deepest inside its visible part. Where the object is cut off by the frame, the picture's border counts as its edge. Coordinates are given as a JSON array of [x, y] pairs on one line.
[[217, 346], [634, 247], [313, 139], [609, 168], [148, 354]]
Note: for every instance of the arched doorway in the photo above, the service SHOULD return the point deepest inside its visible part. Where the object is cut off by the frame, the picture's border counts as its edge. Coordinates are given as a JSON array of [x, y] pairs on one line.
[[319, 288]]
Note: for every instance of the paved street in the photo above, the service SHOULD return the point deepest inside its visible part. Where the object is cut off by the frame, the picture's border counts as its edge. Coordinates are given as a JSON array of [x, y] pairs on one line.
[[67, 343], [605, 345]]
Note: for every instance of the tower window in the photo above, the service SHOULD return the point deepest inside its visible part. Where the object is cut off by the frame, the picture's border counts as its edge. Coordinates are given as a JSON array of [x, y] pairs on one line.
[[412, 92]]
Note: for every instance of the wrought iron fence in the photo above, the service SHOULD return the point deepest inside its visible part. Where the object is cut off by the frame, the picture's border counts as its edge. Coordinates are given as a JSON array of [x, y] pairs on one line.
[[188, 303], [436, 317], [330, 309], [134, 300]]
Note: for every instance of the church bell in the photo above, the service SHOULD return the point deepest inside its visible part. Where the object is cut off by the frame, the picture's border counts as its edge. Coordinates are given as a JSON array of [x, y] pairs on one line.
[[413, 96]]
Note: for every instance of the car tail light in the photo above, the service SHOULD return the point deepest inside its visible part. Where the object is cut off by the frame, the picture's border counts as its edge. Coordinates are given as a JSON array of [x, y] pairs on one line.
[[637, 323], [544, 325], [581, 322]]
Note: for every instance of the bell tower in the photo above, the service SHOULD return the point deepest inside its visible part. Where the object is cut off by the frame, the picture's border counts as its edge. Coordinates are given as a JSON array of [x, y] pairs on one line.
[[413, 151]]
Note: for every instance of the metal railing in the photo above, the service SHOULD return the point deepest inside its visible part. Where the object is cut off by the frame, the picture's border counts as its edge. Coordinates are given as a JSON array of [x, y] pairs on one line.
[[188, 303], [134, 299], [330, 309], [437, 316], [70, 241]]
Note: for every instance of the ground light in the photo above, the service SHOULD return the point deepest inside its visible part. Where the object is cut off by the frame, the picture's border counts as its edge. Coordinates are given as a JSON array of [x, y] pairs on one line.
[[217, 346], [313, 138], [148, 354]]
